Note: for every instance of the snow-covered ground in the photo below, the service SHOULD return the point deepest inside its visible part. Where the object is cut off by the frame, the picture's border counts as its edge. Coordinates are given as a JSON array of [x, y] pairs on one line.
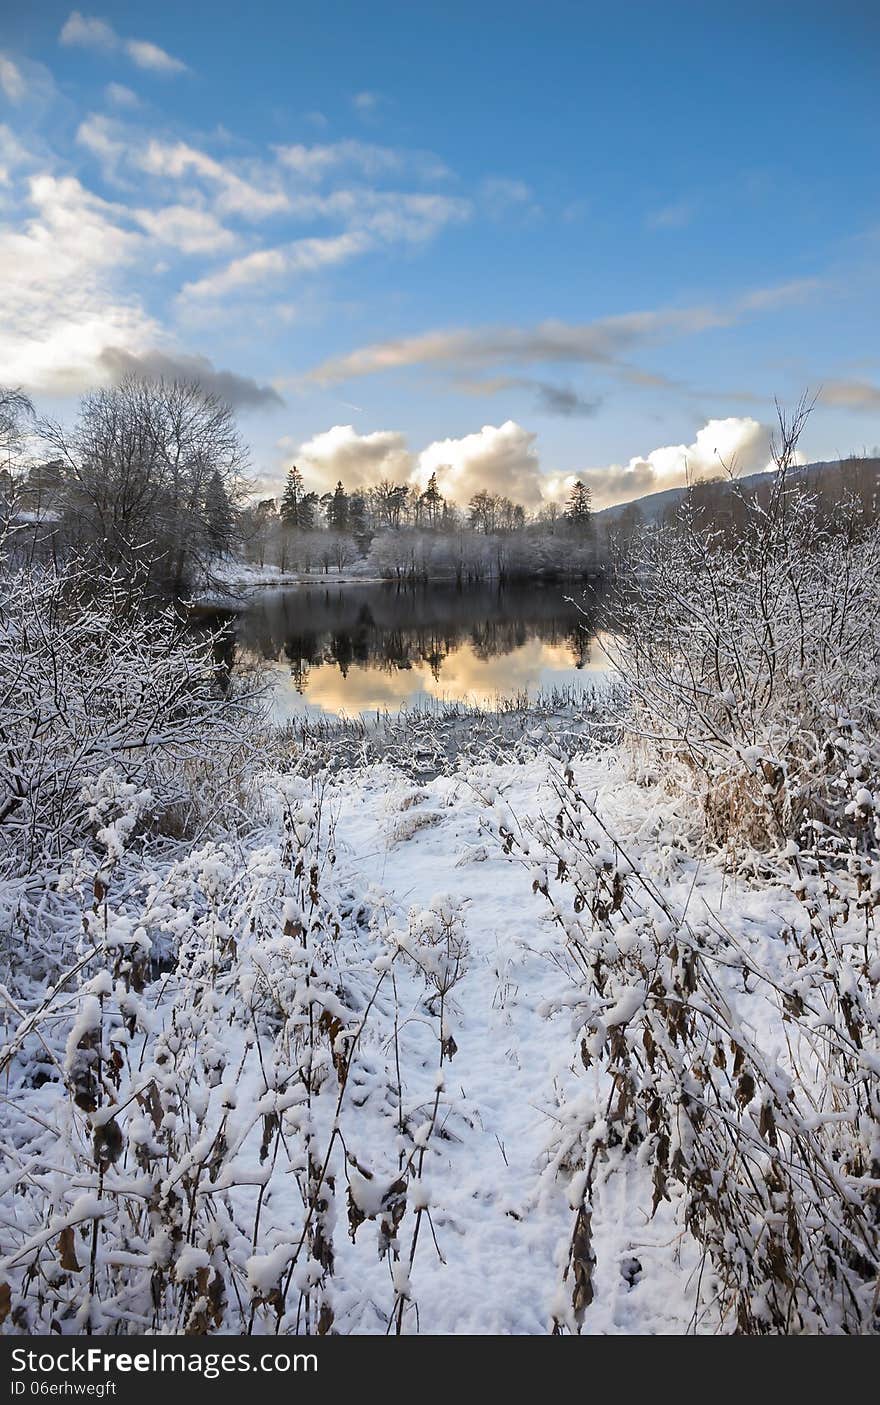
[[499, 1199], [293, 1042], [245, 575]]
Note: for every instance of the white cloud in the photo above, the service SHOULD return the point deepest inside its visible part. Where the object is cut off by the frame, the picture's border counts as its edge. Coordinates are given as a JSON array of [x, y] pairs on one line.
[[302, 256], [87, 32], [150, 56], [236, 195], [11, 79], [367, 104], [183, 227], [317, 161], [740, 443], [121, 96], [103, 137], [357, 459], [502, 459], [61, 303], [601, 342]]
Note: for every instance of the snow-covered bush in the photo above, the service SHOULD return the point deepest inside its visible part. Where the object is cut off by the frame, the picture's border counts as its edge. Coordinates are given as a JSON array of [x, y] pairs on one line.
[[89, 679], [734, 1072], [193, 1100], [735, 1076], [753, 666]]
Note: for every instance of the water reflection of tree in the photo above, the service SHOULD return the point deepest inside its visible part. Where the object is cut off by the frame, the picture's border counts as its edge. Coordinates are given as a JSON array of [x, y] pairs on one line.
[[492, 637], [397, 629], [579, 640]]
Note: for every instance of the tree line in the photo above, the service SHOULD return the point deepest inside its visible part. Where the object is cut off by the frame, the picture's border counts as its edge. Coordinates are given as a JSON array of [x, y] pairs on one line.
[[154, 474], [152, 480], [401, 529]]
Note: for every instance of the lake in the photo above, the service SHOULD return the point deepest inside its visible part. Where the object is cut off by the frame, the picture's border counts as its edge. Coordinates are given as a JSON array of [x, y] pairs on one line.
[[354, 649]]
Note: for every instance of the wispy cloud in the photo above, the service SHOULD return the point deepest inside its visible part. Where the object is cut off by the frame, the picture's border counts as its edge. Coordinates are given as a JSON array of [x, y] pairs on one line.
[[301, 256], [204, 200], [87, 32], [503, 195], [123, 147], [121, 96], [236, 194], [367, 104], [186, 228], [550, 341], [551, 398], [12, 81], [323, 159], [374, 219], [676, 215], [851, 395], [600, 342]]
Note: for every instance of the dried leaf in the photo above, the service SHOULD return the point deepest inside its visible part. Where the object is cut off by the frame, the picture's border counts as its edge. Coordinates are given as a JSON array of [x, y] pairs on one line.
[[67, 1250]]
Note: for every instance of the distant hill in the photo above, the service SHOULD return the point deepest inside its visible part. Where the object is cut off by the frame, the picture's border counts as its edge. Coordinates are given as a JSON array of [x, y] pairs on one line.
[[653, 505]]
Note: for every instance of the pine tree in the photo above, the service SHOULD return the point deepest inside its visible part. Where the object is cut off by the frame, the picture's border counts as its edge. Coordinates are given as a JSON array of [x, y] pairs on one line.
[[432, 501], [308, 512], [579, 511], [337, 509], [291, 502], [218, 516], [358, 521]]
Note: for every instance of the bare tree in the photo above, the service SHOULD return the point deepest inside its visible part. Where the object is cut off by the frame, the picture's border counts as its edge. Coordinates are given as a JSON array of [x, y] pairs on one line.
[[143, 465]]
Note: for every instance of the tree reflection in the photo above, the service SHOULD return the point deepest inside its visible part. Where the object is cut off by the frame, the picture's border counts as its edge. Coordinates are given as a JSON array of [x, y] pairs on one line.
[[392, 629]]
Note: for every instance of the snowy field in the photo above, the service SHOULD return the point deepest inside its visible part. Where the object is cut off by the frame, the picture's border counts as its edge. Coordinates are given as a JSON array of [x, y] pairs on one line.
[[499, 1177], [454, 1145]]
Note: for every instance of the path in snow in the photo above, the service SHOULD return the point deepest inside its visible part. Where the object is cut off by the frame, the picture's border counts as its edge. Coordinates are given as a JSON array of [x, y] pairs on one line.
[[501, 1225]]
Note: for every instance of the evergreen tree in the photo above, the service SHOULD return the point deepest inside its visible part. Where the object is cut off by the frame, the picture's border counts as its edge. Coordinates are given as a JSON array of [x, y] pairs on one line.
[[579, 511], [337, 509], [358, 521], [432, 502], [291, 502], [218, 516], [308, 512]]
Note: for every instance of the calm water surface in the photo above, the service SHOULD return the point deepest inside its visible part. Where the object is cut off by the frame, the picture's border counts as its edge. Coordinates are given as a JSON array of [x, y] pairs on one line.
[[365, 648]]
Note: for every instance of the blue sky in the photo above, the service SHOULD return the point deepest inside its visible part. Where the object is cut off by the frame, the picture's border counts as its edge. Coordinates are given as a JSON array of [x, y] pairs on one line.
[[512, 242]]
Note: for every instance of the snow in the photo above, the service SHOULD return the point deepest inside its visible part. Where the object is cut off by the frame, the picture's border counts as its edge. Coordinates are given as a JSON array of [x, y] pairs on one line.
[[497, 1137], [500, 1206]]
